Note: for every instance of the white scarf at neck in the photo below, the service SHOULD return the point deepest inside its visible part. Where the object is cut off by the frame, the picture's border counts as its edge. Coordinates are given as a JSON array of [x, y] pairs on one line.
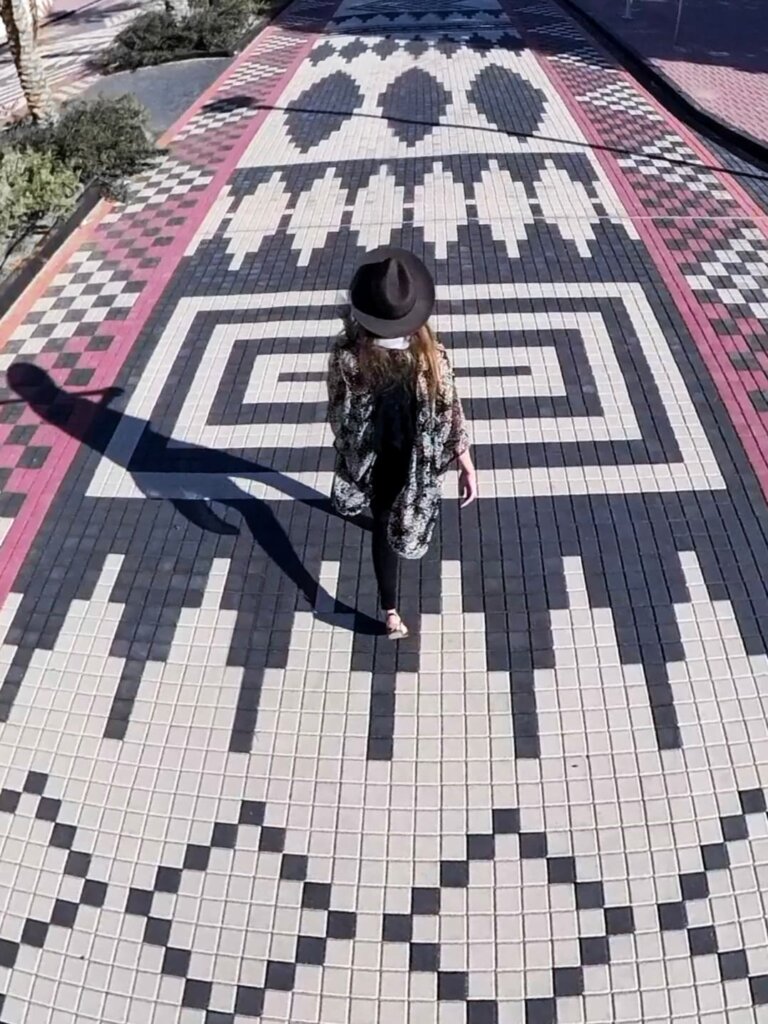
[[396, 344]]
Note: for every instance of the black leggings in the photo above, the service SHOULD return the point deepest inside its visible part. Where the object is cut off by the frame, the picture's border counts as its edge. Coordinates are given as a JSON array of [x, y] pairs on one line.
[[390, 474]]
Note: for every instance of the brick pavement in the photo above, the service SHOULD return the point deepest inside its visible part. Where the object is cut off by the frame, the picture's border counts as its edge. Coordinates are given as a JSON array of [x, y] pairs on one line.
[[66, 47], [720, 57], [223, 797]]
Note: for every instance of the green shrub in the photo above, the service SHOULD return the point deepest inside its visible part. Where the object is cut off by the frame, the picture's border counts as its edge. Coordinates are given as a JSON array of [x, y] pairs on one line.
[[221, 26], [152, 38], [34, 185], [44, 168], [25, 135], [155, 38], [104, 140]]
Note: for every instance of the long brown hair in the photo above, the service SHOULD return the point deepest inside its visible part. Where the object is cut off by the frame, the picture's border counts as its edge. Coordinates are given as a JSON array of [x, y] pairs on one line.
[[379, 366]]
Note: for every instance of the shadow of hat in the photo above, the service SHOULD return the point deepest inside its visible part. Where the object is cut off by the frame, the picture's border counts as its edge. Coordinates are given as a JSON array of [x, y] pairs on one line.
[[31, 382]]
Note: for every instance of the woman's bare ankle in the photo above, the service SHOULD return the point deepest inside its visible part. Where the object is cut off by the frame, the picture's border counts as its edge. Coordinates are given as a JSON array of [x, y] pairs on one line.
[[396, 628]]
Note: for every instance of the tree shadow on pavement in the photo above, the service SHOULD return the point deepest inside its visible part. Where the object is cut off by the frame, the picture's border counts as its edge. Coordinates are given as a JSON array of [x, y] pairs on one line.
[[87, 417]]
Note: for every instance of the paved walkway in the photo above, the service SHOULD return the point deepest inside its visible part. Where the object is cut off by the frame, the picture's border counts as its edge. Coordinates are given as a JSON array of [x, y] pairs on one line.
[[223, 797], [66, 46], [719, 58]]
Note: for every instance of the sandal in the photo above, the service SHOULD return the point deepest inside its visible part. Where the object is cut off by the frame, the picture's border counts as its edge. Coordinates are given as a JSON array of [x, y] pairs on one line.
[[396, 628]]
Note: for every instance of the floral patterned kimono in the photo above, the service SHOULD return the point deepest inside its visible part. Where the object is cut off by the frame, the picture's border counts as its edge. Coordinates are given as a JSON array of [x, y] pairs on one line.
[[441, 436]]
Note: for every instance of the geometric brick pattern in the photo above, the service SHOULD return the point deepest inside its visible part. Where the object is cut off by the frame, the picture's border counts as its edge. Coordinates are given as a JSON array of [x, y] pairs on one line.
[[224, 796], [701, 223], [733, 964], [34, 932]]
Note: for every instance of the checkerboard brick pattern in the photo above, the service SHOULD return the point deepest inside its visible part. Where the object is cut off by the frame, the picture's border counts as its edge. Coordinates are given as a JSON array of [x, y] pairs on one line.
[[224, 796], [700, 217]]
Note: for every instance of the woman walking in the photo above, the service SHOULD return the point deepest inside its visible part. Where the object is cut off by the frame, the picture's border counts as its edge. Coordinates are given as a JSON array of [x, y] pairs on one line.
[[395, 415]]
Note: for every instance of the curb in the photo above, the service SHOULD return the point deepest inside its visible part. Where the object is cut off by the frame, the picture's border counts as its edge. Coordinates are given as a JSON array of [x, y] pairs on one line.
[[663, 89], [14, 286]]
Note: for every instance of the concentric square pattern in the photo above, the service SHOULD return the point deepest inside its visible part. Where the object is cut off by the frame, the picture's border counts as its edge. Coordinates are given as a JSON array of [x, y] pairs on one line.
[[224, 797], [563, 403]]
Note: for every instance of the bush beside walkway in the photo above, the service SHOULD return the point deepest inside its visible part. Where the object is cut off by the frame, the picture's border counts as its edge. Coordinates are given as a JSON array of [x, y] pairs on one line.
[[214, 28], [44, 169]]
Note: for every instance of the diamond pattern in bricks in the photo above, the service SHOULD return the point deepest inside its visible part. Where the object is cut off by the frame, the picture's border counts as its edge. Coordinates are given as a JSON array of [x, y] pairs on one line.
[[223, 795]]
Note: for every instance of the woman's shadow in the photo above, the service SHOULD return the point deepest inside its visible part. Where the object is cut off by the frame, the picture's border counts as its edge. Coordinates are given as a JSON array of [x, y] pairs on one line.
[[87, 417]]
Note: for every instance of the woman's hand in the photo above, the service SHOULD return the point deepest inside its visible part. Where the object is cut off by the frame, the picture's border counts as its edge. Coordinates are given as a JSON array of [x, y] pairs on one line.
[[467, 479]]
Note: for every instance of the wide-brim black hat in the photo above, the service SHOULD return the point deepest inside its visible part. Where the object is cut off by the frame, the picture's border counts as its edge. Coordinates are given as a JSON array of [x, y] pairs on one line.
[[392, 293]]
